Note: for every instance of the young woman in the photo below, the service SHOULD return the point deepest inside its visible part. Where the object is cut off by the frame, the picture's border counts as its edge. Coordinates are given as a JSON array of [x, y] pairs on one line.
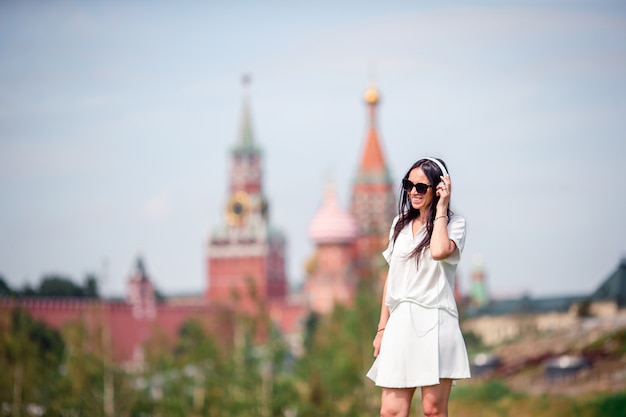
[[419, 341]]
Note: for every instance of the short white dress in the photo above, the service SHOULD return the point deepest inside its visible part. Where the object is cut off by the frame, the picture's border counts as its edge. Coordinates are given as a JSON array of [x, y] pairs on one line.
[[422, 341]]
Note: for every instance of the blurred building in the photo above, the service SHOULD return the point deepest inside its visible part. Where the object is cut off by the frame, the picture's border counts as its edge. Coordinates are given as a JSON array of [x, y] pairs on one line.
[[348, 243], [140, 293], [613, 289], [478, 293], [331, 272], [246, 255], [373, 203], [501, 320]]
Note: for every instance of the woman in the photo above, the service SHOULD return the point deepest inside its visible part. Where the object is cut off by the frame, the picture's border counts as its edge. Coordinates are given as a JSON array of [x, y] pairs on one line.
[[418, 341]]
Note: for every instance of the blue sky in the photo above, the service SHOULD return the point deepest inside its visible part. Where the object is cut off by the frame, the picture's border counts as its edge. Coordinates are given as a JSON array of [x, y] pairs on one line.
[[116, 121]]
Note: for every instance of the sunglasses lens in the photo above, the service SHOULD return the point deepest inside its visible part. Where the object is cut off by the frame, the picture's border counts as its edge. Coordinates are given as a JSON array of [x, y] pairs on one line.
[[421, 188]]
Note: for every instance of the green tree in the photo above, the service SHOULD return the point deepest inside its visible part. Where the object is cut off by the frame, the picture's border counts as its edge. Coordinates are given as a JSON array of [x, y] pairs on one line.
[[200, 374], [30, 356], [331, 374], [185, 377], [59, 286], [90, 290], [92, 384], [28, 291], [82, 372], [5, 290]]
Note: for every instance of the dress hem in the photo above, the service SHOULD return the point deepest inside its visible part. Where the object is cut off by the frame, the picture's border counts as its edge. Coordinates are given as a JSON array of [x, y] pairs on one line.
[[454, 379]]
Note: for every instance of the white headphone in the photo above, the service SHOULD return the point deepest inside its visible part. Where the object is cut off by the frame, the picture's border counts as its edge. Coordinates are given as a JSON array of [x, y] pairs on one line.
[[440, 165]]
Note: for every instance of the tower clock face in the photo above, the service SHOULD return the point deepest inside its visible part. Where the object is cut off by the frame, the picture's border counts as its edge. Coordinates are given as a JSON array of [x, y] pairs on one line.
[[237, 208]]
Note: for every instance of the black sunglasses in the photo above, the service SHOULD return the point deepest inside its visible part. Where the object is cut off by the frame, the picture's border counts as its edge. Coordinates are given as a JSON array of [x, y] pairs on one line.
[[420, 187]]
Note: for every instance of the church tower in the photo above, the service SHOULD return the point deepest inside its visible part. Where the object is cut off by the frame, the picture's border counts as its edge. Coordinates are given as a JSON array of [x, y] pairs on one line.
[[246, 256], [373, 196], [140, 293], [331, 278]]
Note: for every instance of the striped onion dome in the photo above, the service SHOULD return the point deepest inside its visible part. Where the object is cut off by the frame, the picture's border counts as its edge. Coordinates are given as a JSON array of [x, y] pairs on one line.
[[332, 224]]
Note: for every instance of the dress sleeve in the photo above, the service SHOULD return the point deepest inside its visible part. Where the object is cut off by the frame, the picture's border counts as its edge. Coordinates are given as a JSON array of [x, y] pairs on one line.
[[456, 233], [387, 252]]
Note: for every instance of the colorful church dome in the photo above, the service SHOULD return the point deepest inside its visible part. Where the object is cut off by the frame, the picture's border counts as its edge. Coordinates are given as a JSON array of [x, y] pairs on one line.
[[332, 224]]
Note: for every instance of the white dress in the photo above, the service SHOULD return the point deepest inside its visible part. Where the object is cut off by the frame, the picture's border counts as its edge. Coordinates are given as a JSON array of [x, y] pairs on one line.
[[422, 341]]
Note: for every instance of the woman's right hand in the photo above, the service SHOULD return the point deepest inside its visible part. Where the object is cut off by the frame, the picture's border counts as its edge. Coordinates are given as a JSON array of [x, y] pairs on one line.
[[376, 343]]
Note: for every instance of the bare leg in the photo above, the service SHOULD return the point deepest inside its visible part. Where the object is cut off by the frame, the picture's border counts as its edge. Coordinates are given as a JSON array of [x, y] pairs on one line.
[[435, 399], [396, 402]]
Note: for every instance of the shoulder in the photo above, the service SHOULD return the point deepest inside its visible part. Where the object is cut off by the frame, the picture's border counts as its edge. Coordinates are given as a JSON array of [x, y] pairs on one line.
[[456, 222], [455, 218], [394, 222]]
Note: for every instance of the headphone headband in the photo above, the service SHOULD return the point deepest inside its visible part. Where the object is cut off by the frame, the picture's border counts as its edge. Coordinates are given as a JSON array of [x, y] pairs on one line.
[[440, 165]]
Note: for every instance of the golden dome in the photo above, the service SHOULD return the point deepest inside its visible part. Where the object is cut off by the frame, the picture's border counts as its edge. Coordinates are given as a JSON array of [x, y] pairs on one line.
[[371, 95]]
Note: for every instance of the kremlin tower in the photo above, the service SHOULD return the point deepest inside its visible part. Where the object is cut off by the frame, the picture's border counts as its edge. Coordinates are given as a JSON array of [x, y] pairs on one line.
[[478, 293], [140, 292], [331, 272], [373, 197], [246, 261]]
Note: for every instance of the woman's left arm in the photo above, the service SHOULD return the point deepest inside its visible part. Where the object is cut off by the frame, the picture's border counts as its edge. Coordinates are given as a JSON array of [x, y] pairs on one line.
[[441, 246]]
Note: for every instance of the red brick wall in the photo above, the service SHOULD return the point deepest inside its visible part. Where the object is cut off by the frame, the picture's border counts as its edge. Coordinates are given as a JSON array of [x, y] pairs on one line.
[[128, 333], [235, 275]]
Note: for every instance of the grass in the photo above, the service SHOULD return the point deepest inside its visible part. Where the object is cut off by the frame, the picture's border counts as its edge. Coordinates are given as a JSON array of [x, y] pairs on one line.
[[495, 399]]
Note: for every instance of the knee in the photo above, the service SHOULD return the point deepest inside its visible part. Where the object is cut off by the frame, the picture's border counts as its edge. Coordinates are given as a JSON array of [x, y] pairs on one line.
[[434, 409], [387, 411], [396, 402]]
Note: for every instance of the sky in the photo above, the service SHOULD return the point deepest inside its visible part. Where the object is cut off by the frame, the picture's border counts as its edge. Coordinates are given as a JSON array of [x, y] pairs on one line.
[[117, 119]]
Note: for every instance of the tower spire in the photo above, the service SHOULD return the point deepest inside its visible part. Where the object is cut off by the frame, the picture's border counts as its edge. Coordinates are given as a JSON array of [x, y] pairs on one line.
[[246, 137], [373, 197], [372, 159]]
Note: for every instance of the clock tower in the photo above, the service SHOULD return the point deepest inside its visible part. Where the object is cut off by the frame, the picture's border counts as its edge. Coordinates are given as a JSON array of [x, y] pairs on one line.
[[245, 256]]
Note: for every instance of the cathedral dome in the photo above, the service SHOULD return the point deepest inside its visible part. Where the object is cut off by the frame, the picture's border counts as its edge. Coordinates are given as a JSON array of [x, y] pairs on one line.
[[332, 224]]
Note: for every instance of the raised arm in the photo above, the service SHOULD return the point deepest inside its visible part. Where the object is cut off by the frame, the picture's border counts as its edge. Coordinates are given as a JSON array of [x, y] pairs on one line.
[[441, 246]]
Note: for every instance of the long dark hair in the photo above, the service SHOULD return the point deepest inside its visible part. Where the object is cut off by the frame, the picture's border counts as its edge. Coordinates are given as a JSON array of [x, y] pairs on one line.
[[406, 212]]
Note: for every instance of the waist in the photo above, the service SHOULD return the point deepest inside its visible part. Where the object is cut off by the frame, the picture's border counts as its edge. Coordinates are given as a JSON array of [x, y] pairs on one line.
[[394, 304]]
